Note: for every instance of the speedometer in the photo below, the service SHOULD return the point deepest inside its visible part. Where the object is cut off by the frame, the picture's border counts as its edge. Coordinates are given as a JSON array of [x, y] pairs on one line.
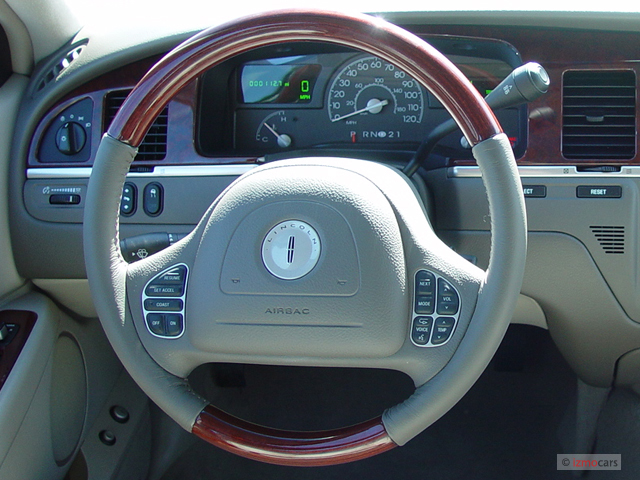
[[376, 97]]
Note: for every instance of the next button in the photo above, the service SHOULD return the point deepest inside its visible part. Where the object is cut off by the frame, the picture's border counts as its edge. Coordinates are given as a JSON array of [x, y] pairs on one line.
[[599, 191]]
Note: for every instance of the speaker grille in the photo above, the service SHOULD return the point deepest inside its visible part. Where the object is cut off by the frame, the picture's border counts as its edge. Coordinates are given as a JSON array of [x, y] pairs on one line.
[[610, 238]]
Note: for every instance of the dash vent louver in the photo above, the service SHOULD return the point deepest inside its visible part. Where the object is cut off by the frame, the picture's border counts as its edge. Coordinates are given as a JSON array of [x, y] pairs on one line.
[[610, 238], [59, 67], [154, 145], [598, 116]]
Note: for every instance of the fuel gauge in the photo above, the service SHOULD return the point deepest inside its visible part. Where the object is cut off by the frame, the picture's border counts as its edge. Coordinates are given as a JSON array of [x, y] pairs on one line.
[[272, 131]]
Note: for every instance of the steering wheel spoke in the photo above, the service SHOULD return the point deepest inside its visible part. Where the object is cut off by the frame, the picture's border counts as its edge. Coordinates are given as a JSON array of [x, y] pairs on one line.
[[444, 288]]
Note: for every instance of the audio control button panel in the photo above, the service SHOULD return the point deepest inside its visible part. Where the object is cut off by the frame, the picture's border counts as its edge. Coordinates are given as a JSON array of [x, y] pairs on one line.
[[163, 302], [436, 309]]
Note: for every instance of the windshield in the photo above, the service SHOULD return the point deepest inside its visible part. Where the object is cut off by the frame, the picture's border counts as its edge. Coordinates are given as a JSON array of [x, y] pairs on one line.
[[94, 11]]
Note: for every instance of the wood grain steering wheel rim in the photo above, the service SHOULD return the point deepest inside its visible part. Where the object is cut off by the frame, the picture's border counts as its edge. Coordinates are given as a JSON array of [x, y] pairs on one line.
[[211, 47]]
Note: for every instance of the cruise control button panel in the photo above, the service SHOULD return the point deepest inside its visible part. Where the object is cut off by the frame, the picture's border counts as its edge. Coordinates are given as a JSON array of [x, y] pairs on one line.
[[436, 309], [163, 301]]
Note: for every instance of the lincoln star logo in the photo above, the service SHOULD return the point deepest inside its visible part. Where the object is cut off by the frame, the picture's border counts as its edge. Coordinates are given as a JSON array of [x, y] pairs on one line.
[[287, 311]]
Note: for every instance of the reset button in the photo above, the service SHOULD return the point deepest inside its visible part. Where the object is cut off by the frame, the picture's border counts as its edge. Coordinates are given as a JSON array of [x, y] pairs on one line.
[[599, 191]]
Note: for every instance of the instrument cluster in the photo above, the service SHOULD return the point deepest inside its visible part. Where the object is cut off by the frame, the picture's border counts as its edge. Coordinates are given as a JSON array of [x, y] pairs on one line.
[[309, 97]]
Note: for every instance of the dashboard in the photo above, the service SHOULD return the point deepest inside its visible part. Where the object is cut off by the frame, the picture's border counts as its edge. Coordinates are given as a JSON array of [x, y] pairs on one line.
[[576, 150], [285, 100]]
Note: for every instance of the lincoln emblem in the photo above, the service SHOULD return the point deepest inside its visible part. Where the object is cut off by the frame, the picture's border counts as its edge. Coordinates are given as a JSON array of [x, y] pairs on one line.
[[291, 249]]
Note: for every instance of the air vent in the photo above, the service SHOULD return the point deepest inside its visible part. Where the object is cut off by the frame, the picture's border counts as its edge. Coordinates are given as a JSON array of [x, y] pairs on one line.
[[59, 67], [611, 239], [598, 117], [154, 145]]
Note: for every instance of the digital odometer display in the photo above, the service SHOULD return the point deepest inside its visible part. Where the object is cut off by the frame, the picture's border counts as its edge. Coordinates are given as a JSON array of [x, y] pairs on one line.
[[282, 84]]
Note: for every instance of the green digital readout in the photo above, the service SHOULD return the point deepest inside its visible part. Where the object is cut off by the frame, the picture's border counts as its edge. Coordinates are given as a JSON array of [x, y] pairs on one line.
[[282, 84]]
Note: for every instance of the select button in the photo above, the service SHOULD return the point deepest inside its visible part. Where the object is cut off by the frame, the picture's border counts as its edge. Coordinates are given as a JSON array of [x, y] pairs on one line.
[[599, 191], [534, 191]]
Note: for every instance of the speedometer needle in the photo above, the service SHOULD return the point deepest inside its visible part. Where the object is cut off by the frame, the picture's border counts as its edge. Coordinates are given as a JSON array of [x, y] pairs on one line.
[[284, 140], [373, 107]]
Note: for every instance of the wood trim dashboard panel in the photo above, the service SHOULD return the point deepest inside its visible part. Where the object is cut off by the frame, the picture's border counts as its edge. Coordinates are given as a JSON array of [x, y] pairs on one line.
[[557, 50]]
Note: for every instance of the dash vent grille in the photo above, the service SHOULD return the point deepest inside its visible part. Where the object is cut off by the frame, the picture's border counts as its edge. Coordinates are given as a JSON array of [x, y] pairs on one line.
[[610, 238], [154, 145], [598, 116], [59, 67]]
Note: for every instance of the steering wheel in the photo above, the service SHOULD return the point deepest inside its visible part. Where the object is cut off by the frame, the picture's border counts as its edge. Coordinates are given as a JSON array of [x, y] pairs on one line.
[[316, 261]]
